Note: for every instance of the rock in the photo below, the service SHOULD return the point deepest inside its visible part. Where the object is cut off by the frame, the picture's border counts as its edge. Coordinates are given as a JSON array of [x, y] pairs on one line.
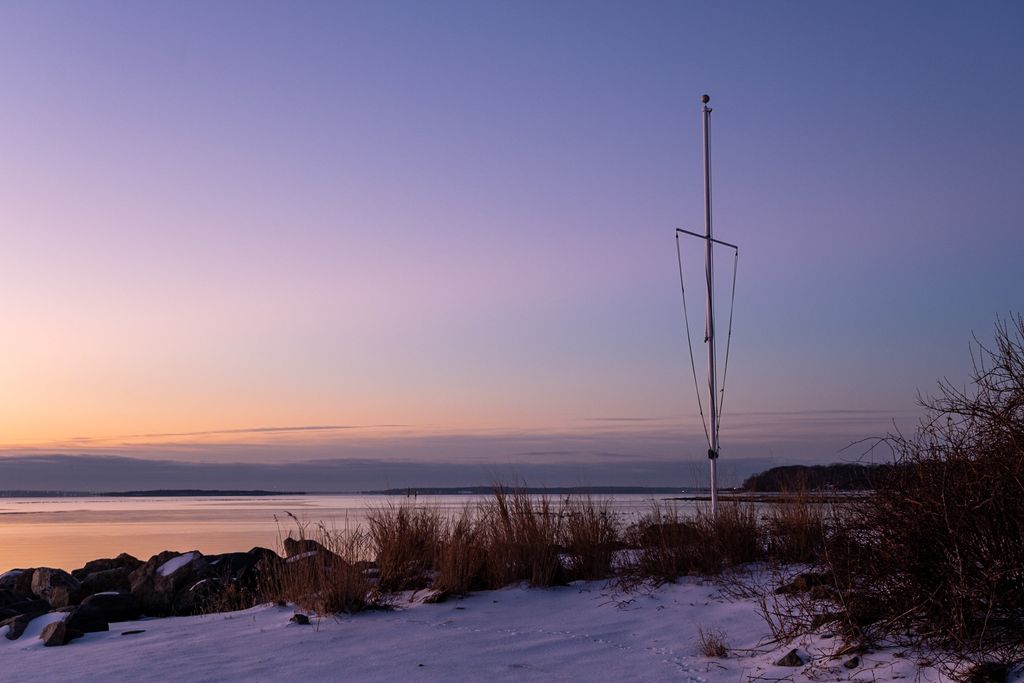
[[435, 597], [852, 662], [294, 547], [133, 632], [87, 619], [163, 576], [791, 659], [988, 672], [114, 579], [9, 578], [300, 619], [115, 606], [55, 586], [16, 625], [7, 596], [23, 584], [246, 575], [58, 633], [29, 607], [204, 597], [122, 561]]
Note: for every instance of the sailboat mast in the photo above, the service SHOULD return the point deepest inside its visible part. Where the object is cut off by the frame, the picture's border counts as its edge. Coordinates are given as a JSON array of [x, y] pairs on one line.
[[710, 319]]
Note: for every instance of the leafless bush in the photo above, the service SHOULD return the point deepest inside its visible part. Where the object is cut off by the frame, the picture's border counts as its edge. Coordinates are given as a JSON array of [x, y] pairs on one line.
[[712, 643], [796, 528], [937, 555], [461, 556], [522, 535], [330, 577], [405, 539], [592, 537], [669, 544], [664, 543], [730, 538]]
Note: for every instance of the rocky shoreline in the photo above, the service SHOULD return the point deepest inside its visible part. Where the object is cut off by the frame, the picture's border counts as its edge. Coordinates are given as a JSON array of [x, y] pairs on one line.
[[125, 588]]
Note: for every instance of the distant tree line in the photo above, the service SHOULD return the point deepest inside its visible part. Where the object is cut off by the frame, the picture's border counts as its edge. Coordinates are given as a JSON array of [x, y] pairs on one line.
[[835, 477]]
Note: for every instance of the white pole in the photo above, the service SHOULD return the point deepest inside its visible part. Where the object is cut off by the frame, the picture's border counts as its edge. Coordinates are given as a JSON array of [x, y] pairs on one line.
[[710, 320]]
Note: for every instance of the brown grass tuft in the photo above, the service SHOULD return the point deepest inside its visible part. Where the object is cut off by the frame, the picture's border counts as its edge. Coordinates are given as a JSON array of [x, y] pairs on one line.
[[405, 540]]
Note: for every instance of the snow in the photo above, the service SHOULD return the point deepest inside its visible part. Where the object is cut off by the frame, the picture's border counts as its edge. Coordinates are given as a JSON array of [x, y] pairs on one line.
[[584, 632], [30, 638], [175, 563]]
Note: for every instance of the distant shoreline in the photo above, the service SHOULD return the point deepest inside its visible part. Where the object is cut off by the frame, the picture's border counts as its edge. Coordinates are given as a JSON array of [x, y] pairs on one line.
[[411, 491], [155, 493]]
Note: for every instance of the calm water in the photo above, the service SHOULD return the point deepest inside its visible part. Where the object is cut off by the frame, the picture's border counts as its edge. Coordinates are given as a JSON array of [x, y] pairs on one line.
[[68, 532]]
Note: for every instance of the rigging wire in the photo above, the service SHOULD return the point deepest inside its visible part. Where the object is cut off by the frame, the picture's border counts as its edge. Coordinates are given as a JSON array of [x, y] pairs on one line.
[[728, 337], [689, 344]]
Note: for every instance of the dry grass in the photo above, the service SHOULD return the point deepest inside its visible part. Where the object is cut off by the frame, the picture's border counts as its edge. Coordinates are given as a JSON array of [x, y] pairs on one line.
[[731, 538], [796, 528], [516, 537], [592, 536], [669, 544], [461, 558], [329, 579], [712, 643], [405, 540], [522, 535]]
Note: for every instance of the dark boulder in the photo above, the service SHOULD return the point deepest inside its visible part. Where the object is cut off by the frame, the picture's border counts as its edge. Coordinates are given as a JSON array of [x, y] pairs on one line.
[[23, 584], [792, 659], [55, 586], [115, 606], [294, 547], [29, 606], [204, 597], [163, 576], [16, 625], [113, 579], [7, 596], [17, 582], [59, 633], [988, 672], [122, 561], [87, 619]]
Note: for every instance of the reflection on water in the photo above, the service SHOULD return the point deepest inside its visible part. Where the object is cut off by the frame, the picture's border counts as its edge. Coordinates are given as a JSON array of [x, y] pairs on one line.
[[68, 532]]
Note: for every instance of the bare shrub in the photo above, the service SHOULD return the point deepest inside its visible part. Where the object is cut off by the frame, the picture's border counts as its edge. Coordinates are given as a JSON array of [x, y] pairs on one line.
[[712, 643], [796, 528], [461, 556], [522, 534], [592, 537], [405, 539], [329, 577], [664, 544], [669, 544], [730, 538], [937, 554]]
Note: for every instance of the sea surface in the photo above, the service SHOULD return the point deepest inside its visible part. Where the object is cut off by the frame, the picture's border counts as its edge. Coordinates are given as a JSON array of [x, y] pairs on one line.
[[68, 532]]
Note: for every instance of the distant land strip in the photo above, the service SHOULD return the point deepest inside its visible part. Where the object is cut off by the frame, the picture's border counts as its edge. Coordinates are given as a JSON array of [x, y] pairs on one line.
[[532, 490], [155, 493]]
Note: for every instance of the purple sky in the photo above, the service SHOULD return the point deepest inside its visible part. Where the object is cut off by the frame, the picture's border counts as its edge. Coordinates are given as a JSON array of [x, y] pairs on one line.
[[448, 226]]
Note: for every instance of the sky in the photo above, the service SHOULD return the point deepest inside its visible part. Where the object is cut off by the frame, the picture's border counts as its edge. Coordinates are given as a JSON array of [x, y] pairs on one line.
[[438, 237]]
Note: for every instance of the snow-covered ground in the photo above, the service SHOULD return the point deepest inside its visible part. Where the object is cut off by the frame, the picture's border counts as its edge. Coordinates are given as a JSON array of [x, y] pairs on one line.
[[585, 632]]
